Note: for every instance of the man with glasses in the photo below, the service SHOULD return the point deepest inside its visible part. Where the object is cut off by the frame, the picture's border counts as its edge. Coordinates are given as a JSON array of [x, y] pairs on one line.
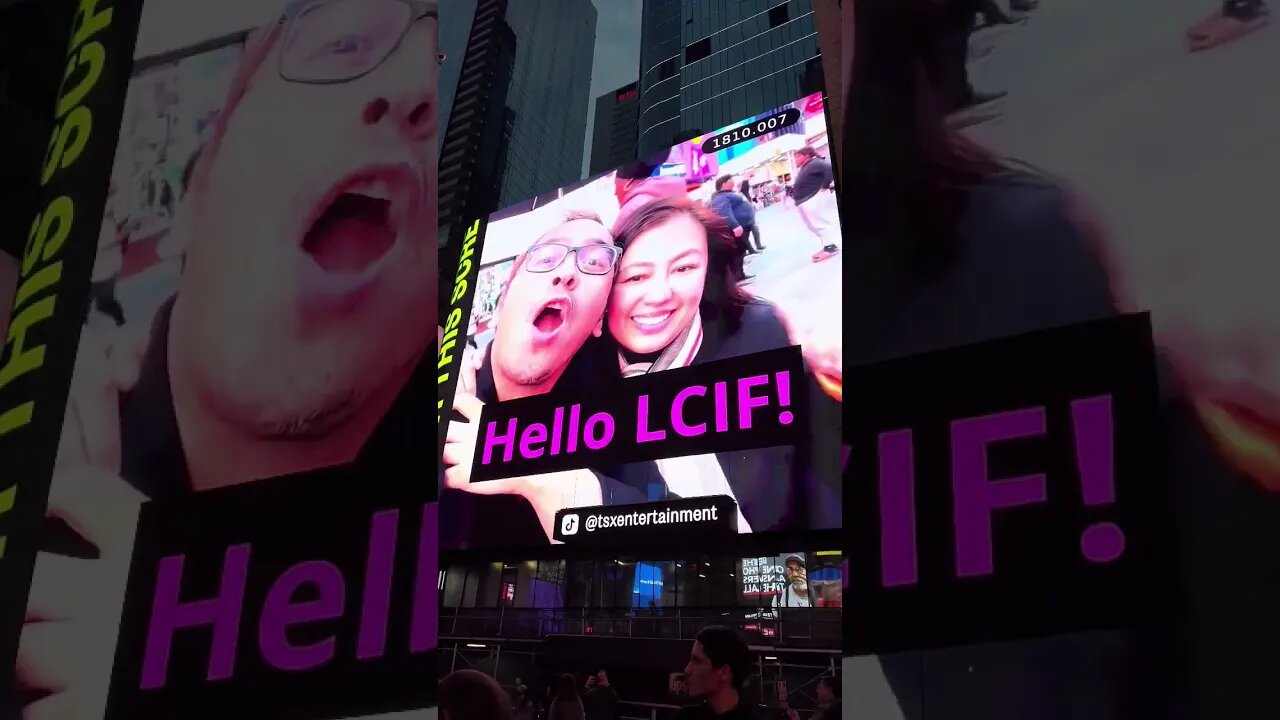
[[553, 302], [551, 307], [308, 268]]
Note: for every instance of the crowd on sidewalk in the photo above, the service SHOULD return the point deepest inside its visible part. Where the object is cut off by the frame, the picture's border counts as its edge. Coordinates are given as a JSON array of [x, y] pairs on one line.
[[717, 672]]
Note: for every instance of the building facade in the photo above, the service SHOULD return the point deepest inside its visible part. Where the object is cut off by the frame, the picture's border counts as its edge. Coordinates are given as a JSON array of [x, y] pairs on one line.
[[705, 64], [477, 133], [456, 20], [614, 141], [549, 95], [514, 92]]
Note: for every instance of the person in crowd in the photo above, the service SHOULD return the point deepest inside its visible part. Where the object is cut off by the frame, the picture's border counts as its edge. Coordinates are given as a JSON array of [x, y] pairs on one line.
[[717, 672], [1234, 19], [815, 200], [567, 705], [745, 189], [637, 183], [471, 695], [828, 692], [738, 214], [297, 321], [736, 209], [970, 247], [797, 592], [601, 701]]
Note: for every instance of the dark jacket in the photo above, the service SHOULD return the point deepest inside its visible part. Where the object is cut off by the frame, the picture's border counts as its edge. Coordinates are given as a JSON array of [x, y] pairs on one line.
[[601, 703], [810, 495], [734, 208], [814, 176]]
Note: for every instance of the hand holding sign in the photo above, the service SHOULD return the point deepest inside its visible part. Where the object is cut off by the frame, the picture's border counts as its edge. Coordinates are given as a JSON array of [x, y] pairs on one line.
[[73, 611], [548, 493]]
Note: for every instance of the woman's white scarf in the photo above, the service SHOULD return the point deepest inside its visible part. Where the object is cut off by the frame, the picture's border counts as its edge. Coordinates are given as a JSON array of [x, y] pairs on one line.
[[691, 475]]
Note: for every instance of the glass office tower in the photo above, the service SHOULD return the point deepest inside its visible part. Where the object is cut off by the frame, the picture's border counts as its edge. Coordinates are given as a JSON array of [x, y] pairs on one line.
[[708, 63]]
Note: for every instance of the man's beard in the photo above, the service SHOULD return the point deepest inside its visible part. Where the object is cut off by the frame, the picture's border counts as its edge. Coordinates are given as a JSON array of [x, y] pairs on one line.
[[526, 375], [315, 424]]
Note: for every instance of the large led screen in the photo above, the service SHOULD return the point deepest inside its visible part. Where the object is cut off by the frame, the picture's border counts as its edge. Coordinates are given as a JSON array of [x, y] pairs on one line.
[[655, 350]]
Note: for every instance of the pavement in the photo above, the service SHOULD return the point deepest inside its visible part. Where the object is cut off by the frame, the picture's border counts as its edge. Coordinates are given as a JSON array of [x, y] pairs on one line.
[[1175, 153], [785, 274]]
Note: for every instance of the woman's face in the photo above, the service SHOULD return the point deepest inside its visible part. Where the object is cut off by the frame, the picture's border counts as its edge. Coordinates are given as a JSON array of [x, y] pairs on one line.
[[659, 285]]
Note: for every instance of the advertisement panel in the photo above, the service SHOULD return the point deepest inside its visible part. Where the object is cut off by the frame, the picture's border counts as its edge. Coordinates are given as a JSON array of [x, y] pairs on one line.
[[231, 432], [664, 332], [791, 580]]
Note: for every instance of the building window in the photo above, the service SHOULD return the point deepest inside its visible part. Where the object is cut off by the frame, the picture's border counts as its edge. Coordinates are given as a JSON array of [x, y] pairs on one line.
[[667, 69], [779, 15], [693, 52]]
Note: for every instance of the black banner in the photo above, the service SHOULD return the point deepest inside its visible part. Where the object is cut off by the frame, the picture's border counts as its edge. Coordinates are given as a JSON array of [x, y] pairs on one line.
[[457, 318], [687, 519], [52, 296], [1005, 490], [303, 597], [737, 404]]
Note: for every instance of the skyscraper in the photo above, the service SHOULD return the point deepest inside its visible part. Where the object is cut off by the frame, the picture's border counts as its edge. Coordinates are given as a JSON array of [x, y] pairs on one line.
[[615, 131], [549, 95], [477, 133], [705, 64], [514, 91], [456, 20]]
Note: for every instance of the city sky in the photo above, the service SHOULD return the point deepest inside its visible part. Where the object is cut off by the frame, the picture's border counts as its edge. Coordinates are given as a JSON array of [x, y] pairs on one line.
[[617, 57]]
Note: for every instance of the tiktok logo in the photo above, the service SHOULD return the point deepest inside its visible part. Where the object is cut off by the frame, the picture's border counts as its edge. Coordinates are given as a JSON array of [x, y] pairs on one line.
[[569, 525]]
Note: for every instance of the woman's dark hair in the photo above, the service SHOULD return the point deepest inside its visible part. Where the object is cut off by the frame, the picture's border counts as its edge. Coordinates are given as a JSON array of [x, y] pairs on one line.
[[722, 300], [906, 176], [568, 688]]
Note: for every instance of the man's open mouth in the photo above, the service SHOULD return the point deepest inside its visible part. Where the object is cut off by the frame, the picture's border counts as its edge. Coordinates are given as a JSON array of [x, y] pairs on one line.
[[360, 223], [551, 317]]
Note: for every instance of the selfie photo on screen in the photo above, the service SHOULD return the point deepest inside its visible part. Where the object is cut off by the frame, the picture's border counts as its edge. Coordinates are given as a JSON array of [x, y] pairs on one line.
[[687, 257]]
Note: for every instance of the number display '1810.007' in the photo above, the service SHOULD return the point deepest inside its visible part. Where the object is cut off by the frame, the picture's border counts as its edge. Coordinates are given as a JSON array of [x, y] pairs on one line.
[[753, 129]]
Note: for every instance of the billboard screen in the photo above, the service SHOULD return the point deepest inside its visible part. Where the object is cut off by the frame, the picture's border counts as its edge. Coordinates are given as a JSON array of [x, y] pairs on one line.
[[666, 332], [244, 280], [792, 580]]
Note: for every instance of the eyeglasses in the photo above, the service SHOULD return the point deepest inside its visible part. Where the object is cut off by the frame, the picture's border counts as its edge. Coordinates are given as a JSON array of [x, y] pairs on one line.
[[337, 41], [591, 259]]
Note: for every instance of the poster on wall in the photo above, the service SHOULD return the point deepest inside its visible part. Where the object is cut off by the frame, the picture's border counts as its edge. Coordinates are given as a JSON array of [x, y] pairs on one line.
[[229, 400]]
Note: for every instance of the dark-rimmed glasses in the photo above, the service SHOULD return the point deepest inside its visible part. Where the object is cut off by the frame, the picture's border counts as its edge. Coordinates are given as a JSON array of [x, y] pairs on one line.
[[591, 259], [337, 41]]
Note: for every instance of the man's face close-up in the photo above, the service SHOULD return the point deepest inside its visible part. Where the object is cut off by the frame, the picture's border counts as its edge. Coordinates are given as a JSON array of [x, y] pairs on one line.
[[796, 576], [545, 317], [311, 259]]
